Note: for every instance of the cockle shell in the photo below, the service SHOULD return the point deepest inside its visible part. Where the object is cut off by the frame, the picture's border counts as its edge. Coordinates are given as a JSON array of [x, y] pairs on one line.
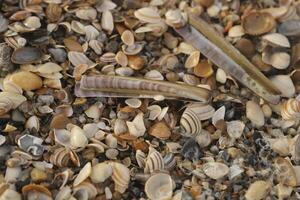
[[192, 60], [257, 23], [159, 187], [101, 172], [290, 109], [215, 170], [121, 176], [154, 161]]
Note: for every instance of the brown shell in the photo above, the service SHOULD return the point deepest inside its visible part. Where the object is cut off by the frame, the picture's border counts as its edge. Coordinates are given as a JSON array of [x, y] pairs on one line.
[[257, 23], [39, 188]]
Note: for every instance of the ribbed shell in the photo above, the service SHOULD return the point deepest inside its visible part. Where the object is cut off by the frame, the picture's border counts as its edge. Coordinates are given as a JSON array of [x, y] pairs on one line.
[[190, 123], [290, 109], [154, 161]]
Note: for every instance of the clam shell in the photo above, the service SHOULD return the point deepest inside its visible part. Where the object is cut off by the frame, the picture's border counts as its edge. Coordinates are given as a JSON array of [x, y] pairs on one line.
[[175, 18], [203, 69], [285, 172], [133, 49], [218, 115], [26, 55], [101, 172], [32, 22], [192, 60], [33, 122], [78, 138], [85, 189], [137, 126], [83, 174], [277, 39], [258, 190], [257, 23], [5, 105], [154, 75], [280, 60], [215, 170], [169, 161], [107, 21], [159, 187], [86, 13], [290, 28], [97, 46], [154, 111], [121, 176], [236, 31], [280, 145], [127, 37], [15, 98], [255, 114], [77, 27], [285, 85], [91, 33], [133, 103], [121, 59], [77, 58], [148, 14], [154, 161], [221, 76], [160, 130], [191, 79]]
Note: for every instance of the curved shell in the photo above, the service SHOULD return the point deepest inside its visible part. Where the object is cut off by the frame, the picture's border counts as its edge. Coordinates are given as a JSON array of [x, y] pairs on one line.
[[140, 158], [37, 188], [257, 23], [33, 122], [148, 14], [83, 174], [26, 55], [159, 187], [121, 176], [101, 172], [277, 40], [154, 161], [5, 105], [85, 189], [290, 109], [191, 122], [215, 170], [169, 161], [290, 28], [285, 172]]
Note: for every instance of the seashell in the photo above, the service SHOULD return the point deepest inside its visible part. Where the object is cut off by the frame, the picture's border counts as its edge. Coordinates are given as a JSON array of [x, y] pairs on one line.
[[190, 150], [15, 98], [101, 172], [107, 21], [169, 161], [105, 6], [5, 105], [60, 157], [52, 83], [127, 37], [154, 75], [86, 13], [203, 69], [137, 126], [154, 161], [59, 55], [91, 33], [257, 23], [290, 109], [289, 28], [160, 130], [133, 49], [97, 46], [255, 114], [26, 55], [203, 139], [53, 12], [79, 70], [140, 158], [133, 103], [111, 154], [9, 86], [78, 27], [124, 71], [108, 57], [192, 60], [236, 31], [277, 40], [280, 145], [159, 187], [121, 59], [163, 113], [72, 44], [121, 176], [3, 23], [10, 194], [258, 190], [285, 84], [175, 18], [33, 122], [283, 191], [5, 54], [93, 111], [235, 128], [26, 80], [136, 62], [84, 173], [120, 127], [221, 76], [215, 170], [32, 22], [246, 47], [285, 172], [85, 190], [49, 68], [33, 191], [77, 58], [148, 14], [111, 141], [154, 111], [280, 60], [77, 137], [64, 193]]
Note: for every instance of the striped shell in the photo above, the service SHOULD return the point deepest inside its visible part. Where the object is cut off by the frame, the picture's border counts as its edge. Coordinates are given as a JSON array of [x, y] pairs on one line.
[[169, 161], [290, 109], [154, 161]]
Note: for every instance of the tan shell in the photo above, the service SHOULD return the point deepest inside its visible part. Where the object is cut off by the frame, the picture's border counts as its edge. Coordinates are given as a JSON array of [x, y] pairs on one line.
[[85, 189], [107, 21], [290, 109], [258, 190], [154, 161], [176, 18], [159, 187], [26, 80], [285, 172], [77, 58], [36, 188], [136, 62], [255, 114], [127, 37], [236, 31], [33, 122], [192, 60], [203, 69], [15, 98], [215, 170], [86, 13], [257, 23], [148, 14], [121, 176], [83, 174], [235, 128], [101, 172], [160, 130], [121, 59]]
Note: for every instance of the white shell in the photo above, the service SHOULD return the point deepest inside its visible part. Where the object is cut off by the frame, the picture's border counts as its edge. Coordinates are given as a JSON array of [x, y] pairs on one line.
[[86, 13], [235, 128], [221, 76], [218, 115], [154, 161], [215, 170], [107, 21], [121, 176], [77, 137], [154, 111], [33, 122], [192, 60], [83, 174], [280, 60], [134, 103], [159, 187], [258, 190], [101, 172], [255, 114], [140, 158], [148, 14], [285, 84], [277, 39], [137, 126], [236, 31]]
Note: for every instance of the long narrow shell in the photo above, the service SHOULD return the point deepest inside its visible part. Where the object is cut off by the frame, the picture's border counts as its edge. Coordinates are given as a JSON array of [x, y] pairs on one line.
[[233, 62], [102, 85], [290, 109]]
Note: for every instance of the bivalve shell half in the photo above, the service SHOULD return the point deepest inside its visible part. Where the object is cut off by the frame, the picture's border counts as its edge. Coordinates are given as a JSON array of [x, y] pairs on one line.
[[127, 37], [148, 14], [107, 21], [5, 105], [101, 172], [192, 60], [121, 176], [154, 161], [83, 174], [257, 23], [235, 128], [159, 187], [285, 85], [26, 55], [78, 138], [277, 40], [215, 170], [255, 114]]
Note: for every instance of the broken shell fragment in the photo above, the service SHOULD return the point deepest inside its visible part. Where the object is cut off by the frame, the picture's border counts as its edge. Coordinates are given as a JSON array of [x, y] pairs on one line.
[[235, 128], [215, 170], [285, 172], [255, 114], [285, 84], [134, 103], [121, 176], [101, 172], [154, 161], [137, 126], [203, 69], [148, 14], [257, 23], [258, 190], [159, 187]]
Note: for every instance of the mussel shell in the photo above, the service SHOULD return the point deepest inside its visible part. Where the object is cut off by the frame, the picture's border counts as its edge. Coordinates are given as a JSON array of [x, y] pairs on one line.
[[26, 55]]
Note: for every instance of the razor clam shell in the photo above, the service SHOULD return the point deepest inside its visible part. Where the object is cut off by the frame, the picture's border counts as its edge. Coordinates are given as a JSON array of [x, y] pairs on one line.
[[224, 61], [136, 86]]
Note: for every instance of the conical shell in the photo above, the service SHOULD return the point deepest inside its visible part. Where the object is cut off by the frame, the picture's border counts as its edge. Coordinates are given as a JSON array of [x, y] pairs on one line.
[[121, 176], [154, 161], [290, 109]]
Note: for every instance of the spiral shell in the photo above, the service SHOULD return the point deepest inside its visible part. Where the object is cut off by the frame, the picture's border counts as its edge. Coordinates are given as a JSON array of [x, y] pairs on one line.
[[154, 161], [121, 176], [290, 109]]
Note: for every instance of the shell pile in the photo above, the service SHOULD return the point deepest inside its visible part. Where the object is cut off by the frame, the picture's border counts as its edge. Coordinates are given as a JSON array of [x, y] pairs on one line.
[[149, 99]]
